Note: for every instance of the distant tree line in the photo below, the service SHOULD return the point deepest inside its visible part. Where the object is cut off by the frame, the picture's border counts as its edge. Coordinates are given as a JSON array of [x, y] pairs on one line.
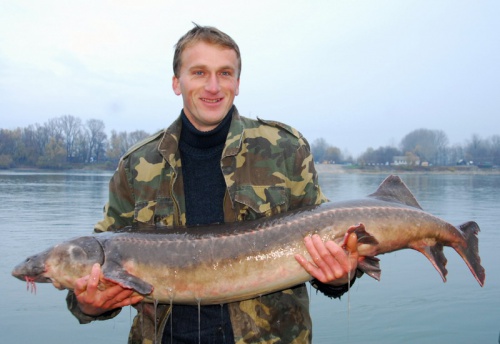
[[421, 146], [67, 142], [64, 142]]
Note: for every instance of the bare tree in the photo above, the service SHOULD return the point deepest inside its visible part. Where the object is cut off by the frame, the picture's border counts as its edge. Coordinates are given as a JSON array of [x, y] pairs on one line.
[[117, 145], [428, 145], [71, 128], [495, 149], [318, 149], [120, 142], [333, 154], [136, 136], [381, 155], [96, 139], [54, 130], [478, 150], [456, 155]]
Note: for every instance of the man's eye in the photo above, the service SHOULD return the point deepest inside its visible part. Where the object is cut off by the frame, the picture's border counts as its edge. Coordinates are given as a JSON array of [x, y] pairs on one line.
[[225, 73], [198, 72]]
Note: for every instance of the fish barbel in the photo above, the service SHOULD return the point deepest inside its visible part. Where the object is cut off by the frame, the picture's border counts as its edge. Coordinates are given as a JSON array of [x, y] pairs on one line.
[[230, 262]]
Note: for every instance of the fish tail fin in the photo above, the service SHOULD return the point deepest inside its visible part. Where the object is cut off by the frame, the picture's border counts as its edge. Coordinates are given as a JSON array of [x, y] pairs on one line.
[[466, 248], [470, 251]]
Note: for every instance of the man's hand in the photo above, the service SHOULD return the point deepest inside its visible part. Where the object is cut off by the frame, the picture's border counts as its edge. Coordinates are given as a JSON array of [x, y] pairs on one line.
[[94, 300], [331, 263]]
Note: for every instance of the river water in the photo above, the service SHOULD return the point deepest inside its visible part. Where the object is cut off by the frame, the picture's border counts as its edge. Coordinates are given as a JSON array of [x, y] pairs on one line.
[[410, 304]]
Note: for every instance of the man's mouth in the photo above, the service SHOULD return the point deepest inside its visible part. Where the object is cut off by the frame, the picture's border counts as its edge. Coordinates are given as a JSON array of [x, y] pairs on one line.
[[216, 100]]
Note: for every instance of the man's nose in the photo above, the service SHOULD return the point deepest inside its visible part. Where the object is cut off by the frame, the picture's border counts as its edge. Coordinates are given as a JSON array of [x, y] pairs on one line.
[[213, 85]]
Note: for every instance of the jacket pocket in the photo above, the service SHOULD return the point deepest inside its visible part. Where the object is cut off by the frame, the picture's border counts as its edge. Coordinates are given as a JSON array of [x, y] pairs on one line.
[[159, 211], [259, 201]]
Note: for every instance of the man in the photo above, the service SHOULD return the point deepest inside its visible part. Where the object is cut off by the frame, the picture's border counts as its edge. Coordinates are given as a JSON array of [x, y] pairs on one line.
[[212, 166]]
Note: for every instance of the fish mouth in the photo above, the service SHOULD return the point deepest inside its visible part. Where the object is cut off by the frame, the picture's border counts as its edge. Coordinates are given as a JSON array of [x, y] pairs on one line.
[[35, 278]]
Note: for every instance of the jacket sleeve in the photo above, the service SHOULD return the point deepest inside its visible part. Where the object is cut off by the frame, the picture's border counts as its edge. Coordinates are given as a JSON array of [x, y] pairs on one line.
[[119, 210], [304, 184], [334, 292], [83, 318]]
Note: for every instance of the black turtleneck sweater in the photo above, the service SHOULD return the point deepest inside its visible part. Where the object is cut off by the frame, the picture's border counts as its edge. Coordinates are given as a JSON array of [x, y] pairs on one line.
[[204, 185], [204, 189]]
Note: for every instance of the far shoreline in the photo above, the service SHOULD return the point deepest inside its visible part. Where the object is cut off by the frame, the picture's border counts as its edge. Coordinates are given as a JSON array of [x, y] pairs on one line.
[[320, 168], [384, 169]]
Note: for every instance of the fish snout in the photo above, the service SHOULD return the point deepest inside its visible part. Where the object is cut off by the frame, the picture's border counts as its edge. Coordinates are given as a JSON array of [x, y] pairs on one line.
[[32, 268]]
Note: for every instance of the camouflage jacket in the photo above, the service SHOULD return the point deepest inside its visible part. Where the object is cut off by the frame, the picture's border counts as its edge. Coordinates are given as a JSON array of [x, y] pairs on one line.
[[268, 169]]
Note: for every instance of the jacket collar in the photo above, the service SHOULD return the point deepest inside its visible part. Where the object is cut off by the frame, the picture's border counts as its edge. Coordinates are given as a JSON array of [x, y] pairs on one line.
[[169, 144]]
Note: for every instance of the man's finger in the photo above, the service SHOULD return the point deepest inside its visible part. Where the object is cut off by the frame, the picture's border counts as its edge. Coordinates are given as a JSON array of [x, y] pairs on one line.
[[311, 249], [352, 243], [95, 273], [92, 281]]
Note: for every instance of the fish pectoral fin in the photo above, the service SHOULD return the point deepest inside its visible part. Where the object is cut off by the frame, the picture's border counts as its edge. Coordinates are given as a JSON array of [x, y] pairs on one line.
[[366, 264], [363, 236], [370, 266], [126, 280]]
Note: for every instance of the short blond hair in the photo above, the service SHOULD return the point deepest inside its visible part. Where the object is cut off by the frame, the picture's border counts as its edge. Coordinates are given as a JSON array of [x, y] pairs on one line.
[[207, 34]]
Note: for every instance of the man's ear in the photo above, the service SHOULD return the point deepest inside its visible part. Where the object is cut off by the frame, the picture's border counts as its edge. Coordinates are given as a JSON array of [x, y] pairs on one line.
[[237, 91], [176, 85]]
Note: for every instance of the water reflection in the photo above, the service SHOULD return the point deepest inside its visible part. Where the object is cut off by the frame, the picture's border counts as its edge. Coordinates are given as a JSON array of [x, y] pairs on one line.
[[410, 304]]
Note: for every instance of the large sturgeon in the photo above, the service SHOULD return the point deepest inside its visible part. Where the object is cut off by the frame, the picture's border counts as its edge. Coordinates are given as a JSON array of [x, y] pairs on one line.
[[224, 263]]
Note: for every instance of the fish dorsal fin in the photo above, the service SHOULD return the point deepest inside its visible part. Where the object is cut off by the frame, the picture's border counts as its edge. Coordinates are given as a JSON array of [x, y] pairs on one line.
[[393, 189]]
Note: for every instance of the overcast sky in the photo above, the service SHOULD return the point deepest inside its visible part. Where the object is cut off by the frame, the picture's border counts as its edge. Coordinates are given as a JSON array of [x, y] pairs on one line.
[[358, 73]]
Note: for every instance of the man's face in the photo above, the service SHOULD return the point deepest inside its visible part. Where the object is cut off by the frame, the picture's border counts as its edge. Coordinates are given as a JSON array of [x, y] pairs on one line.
[[208, 81]]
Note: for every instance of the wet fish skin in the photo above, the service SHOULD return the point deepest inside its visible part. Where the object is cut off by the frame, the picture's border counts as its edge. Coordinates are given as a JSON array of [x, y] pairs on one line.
[[231, 262]]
